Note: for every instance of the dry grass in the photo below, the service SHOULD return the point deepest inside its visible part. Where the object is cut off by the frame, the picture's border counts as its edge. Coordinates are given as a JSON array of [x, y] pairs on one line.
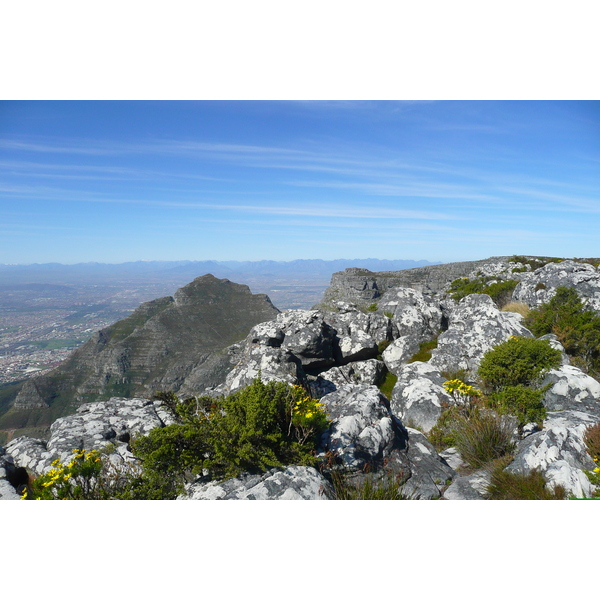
[[517, 307]]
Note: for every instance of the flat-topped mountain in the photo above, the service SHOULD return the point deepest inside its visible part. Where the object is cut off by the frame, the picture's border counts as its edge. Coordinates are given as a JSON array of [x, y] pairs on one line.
[[161, 345]]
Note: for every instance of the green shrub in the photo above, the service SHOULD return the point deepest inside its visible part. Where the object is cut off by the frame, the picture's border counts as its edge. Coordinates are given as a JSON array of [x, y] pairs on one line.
[[483, 438], [518, 361], [522, 401], [577, 328], [372, 307], [264, 425], [512, 486], [388, 314], [464, 286], [500, 291]]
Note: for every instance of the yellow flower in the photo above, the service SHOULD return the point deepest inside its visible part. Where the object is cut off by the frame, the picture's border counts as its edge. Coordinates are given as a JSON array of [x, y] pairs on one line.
[[24, 495]]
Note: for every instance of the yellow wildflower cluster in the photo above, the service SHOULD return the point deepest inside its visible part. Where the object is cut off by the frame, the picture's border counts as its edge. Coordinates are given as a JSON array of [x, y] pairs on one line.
[[460, 391], [66, 481], [305, 406]]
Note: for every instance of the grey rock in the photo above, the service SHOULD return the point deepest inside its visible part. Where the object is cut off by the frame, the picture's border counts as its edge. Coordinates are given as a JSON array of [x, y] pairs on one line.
[[292, 483], [469, 487], [418, 395], [572, 389], [585, 278], [413, 314], [362, 286], [358, 334], [399, 352], [369, 372], [558, 452], [362, 432], [88, 430], [429, 474], [453, 458], [476, 326]]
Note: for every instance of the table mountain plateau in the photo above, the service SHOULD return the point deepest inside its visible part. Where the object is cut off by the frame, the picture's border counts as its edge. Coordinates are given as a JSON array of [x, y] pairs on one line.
[[214, 337]]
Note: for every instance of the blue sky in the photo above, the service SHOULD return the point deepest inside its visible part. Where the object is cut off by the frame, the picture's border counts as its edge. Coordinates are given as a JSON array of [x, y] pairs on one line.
[[116, 181]]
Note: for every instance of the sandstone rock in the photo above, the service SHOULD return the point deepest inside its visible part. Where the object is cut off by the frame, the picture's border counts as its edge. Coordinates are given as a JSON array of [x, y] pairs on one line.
[[369, 372], [540, 286], [429, 474], [469, 487], [554, 343], [93, 427], [362, 432], [572, 389], [413, 314], [359, 333], [558, 452], [399, 352], [418, 395], [291, 483], [476, 326]]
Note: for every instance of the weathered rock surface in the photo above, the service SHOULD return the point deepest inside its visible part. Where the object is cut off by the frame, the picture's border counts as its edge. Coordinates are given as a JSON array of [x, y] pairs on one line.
[[292, 483], [369, 372], [469, 487], [540, 286], [572, 389], [93, 427], [362, 286], [475, 326], [158, 346], [558, 452], [368, 440], [418, 395]]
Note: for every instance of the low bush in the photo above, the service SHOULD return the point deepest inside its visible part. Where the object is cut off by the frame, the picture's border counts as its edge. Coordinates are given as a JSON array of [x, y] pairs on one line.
[[577, 327], [519, 400], [512, 486], [592, 441], [372, 307], [499, 291], [518, 361], [265, 425]]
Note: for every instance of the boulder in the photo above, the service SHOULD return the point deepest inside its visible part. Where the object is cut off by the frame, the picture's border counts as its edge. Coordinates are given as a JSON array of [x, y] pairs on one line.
[[540, 286], [429, 474], [572, 389], [369, 372], [292, 483], [93, 427], [469, 487], [418, 395], [362, 433], [475, 326], [558, 452], [413, 314], [399, 352]]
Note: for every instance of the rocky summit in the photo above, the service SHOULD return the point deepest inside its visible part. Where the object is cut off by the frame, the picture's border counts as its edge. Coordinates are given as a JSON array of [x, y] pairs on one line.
[[165, 344], [395, 360]]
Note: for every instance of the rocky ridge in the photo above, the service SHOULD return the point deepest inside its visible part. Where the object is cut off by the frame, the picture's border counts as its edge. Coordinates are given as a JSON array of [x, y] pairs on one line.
[[342, 350]]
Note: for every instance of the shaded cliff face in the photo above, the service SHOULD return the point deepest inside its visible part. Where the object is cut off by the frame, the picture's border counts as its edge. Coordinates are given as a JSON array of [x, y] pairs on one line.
[[157, 347]]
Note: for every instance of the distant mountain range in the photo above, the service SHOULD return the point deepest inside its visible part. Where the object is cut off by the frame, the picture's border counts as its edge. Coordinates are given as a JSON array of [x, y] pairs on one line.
[[186, 270]]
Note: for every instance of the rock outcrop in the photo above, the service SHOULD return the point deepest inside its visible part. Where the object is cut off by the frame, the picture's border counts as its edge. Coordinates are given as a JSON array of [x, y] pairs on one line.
[[338, 351], [167, 344]]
